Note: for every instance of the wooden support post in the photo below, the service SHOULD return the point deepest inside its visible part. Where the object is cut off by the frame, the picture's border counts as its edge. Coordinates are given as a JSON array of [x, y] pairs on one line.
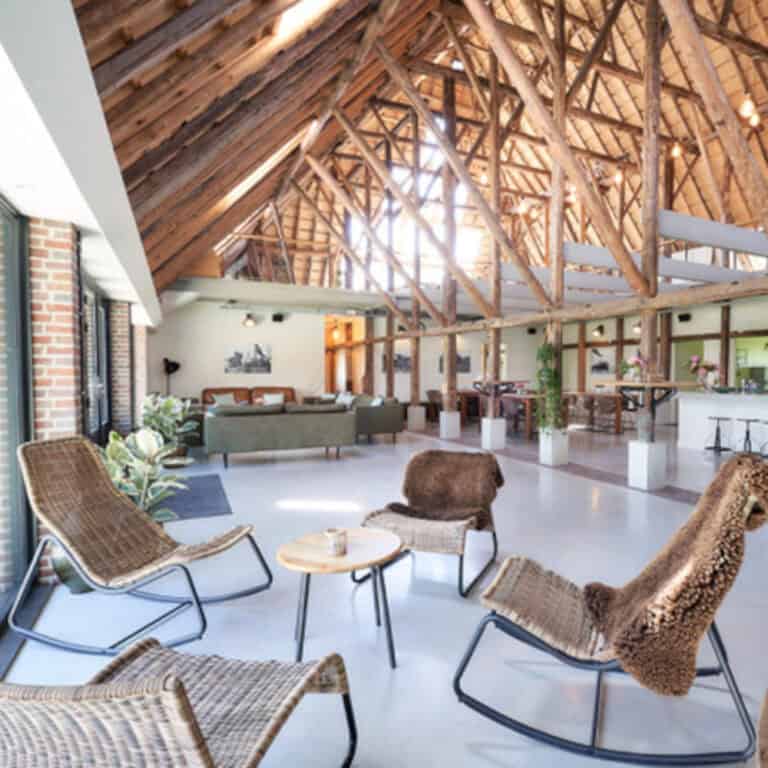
[[581, 370], [348, 275], [556, 210], [283, 247], [416, 309], [494, 179], [368, 211], [619, 342], [665, 345], [725, 343], [389, 345], [687, 35], [651, 119], [558, 145], [370, 373], [449, 284]]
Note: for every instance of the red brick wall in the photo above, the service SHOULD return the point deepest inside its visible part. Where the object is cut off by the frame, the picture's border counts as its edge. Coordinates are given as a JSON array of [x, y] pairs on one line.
[[120, 366], [54, 298], [139, 370]]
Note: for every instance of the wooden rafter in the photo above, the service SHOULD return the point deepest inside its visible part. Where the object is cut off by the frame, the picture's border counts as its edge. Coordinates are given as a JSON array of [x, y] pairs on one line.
[[558, 146]]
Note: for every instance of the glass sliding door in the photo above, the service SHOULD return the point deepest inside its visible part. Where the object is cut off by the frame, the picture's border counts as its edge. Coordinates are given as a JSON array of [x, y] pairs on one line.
[[15, 402], [96, 367]]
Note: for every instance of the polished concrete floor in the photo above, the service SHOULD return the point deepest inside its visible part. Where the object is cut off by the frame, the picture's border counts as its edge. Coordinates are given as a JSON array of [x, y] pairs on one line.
[[584, 528]]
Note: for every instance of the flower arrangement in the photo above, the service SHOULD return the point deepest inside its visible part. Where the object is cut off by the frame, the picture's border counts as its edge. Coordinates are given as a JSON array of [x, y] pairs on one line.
[[707, 374], [636, 368]]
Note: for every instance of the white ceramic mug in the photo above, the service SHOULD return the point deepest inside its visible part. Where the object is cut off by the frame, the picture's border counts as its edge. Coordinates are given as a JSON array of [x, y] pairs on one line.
[[337, 541]]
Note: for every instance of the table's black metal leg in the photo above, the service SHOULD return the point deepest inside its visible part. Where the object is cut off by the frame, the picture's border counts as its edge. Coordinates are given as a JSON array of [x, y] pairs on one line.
[[379, 574], [302, 615], [376, 607]]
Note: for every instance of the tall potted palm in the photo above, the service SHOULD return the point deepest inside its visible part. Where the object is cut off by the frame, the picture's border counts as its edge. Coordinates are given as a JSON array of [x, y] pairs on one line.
[[553, 435]]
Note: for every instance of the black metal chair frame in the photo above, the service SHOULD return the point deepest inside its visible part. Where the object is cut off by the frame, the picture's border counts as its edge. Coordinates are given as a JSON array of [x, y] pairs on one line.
[[592, 749], [464, 591], [180, 603]]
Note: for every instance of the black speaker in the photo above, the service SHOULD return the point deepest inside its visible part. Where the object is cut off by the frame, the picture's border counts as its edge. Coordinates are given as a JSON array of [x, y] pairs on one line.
[[531, 331], [278, 317], [684, 317]]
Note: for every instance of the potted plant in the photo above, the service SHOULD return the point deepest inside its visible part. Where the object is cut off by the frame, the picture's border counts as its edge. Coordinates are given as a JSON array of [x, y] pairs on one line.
[[169, 416], [553, 436], [134, 464]]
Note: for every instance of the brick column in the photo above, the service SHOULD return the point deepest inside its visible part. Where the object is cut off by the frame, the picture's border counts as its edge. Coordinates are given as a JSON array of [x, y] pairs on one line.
[[139, 370], [120, 366], [54, 297], [55, 305]]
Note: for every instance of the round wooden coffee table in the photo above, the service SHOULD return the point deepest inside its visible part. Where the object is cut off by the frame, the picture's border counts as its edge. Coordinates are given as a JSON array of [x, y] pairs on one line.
[[367, 548]]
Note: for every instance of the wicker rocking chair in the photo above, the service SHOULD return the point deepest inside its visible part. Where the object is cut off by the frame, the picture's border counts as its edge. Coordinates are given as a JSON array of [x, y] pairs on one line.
[[650, 629], [449, 494], [153, 707], [114, 546]]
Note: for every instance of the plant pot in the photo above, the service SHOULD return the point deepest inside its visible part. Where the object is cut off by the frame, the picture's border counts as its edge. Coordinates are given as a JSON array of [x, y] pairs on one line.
[[553, 447]]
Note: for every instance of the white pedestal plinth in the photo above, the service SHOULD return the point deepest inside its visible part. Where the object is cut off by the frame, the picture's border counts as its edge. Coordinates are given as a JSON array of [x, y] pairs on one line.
[[647, 465], [417, 418], [450, 425], [553, 447], [494, 434]]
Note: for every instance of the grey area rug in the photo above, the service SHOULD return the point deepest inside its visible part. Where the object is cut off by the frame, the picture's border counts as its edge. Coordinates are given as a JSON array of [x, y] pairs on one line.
[[204, 497]]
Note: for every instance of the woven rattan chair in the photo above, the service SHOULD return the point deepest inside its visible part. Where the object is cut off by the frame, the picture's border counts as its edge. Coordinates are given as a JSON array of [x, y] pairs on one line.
[[114, 546], [155, 708], [650, 629], [449, 494]]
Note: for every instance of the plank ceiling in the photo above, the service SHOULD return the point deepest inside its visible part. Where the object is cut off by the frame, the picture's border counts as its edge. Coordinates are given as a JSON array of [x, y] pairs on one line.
[[207, 102]]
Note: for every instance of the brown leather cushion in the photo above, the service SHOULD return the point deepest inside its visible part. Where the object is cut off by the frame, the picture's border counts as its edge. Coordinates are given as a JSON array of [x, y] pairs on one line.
[[241, 394], [288, 392]]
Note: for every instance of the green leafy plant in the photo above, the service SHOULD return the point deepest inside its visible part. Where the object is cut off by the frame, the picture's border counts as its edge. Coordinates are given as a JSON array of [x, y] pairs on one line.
[[169, 416], [550, 385], [134, 464]]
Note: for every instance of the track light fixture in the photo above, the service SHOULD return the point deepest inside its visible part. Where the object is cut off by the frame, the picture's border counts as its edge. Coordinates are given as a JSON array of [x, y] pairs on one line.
[[598, 331], [249, 321]]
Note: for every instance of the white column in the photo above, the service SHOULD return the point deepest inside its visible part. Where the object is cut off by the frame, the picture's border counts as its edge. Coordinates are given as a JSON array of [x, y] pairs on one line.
[[450, 425]]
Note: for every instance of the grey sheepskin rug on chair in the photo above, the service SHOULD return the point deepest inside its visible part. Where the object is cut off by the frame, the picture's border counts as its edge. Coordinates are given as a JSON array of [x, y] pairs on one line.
[[654, 624]]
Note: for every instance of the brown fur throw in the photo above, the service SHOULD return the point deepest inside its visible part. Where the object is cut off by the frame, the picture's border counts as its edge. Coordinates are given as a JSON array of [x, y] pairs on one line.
[[654, 624], [451, 485]]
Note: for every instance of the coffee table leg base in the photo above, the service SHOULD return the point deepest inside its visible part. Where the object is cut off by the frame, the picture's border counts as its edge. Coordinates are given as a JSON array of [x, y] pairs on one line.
[[301, 616], [378, 574]]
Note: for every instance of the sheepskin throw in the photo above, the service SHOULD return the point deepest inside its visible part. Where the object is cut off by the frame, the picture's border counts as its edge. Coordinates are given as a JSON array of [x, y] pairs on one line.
[[451, 485], [654, 624]]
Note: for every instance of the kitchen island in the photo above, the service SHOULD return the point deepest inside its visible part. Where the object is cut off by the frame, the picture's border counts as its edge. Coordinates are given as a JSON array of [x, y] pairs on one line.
[[696, 429]]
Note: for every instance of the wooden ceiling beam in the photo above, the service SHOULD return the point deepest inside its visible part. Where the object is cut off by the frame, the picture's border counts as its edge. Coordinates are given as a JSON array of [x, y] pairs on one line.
[[687, 34], [347, 248], [388, 255], [558, 147], [159, 141], [187, 75], [378, 167], [400, 76], [376, 25], [150, 49]]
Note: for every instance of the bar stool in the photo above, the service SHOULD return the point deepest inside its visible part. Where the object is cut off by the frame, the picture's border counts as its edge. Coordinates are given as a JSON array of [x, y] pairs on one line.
[[718, 446], [747, 447]]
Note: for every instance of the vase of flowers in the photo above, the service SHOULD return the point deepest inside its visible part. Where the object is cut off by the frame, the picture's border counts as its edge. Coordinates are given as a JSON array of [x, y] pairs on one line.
[[634, 369], [707, 374]]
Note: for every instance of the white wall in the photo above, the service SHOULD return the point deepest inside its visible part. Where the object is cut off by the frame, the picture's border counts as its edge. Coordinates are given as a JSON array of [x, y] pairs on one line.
[[201, 335]]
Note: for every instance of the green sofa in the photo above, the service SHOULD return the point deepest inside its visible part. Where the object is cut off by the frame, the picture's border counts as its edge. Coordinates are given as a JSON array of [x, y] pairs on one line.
[[248, 428], [384, 419]]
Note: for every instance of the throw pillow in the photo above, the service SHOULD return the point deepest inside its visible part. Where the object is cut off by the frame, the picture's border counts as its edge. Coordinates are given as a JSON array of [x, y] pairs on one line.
[[274, 398], [328, 397], [377, 401], [224, 399]]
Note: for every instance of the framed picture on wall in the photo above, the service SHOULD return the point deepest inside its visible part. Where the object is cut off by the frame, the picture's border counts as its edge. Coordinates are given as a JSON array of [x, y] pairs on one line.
[[256, 358], [402, 363], [463, 363]]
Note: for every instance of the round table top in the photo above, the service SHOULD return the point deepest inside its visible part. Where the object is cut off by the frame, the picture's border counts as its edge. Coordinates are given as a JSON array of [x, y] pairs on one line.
[[366, 547]]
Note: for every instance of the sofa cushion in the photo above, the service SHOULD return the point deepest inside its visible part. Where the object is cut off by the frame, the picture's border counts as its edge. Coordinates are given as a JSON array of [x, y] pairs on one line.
[[273, 398], [377, 401], [225, 398], [347, 399], [246, 410], [315, 408], [241, 394], [289, 393]]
